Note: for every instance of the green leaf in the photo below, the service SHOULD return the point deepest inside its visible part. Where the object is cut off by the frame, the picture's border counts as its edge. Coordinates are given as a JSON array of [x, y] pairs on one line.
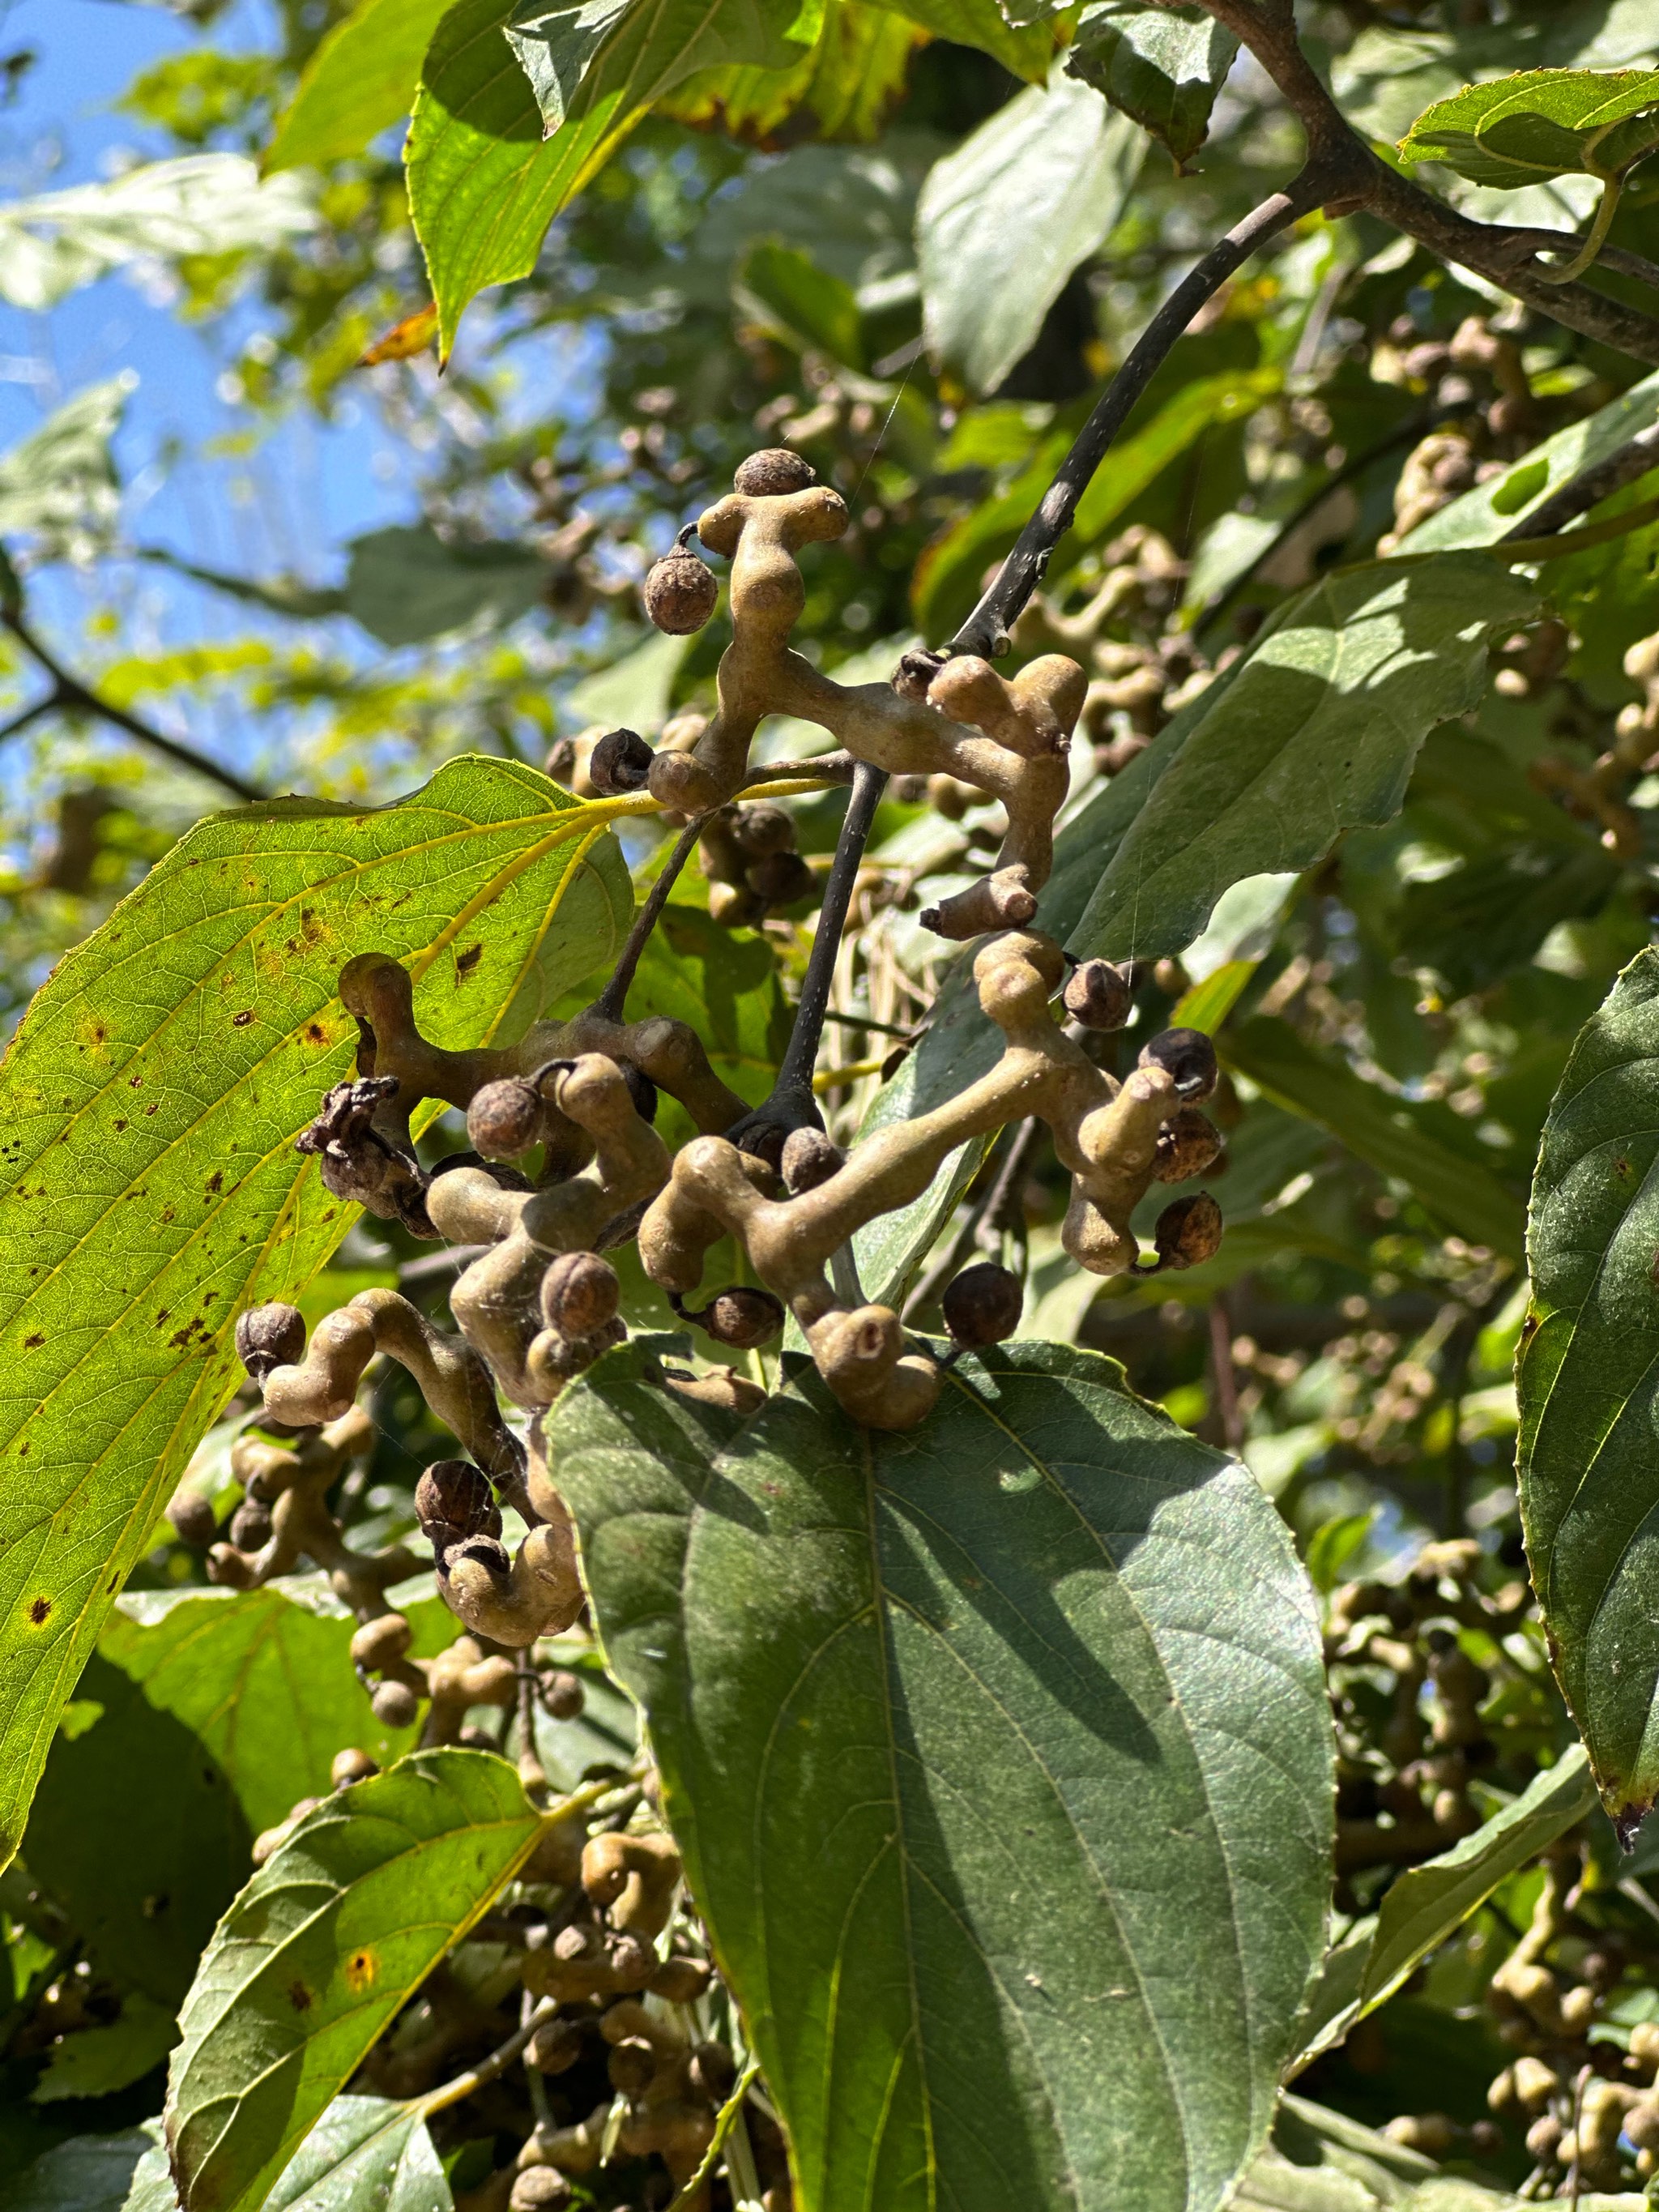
[[581, 54], [360, 82], [365, 2155], [636, 690], [150, 1103], [1024, 52], [1314, 732], [262, 1678], [726, 986], [847, 82], [58, 485], [1033, 1696], [331, 1938], [1590, 1487], [406, 584], [1426, 1904], [123, 2172], [483, 184], [1461, 1194], [202, 203], [1162, 66], [784, 290], [1541, 124], [1005, 219], [94, 2062], [136, 1832]]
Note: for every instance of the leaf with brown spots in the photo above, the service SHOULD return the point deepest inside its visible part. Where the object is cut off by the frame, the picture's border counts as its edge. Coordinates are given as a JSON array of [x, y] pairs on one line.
[[104, 1223], [329, 1940]]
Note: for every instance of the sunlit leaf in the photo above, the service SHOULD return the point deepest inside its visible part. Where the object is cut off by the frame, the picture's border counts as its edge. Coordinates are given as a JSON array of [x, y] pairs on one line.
[[360, 82], [1541, 124], [1162, 66]]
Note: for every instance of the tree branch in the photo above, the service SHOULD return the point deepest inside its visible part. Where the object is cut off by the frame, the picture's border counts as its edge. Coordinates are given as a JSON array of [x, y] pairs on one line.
[[1505, 255], [70, 694], [986, 630]]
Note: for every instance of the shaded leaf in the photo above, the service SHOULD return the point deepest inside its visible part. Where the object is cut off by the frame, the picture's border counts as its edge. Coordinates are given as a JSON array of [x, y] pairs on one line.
[[847, 81], [784, 290], [1586, 1383], [1078, 1991], [1024, 52], [332, 1935], [123, 2172], [1425, 1904], [262, 1678], [136, 1832], [1314, 732], [151, 1099], [634, 693], [202, 203], [95, 2061], [58, 485], [365, 2155], [360, 82], [1005, 219], [406, 584], [1541, 124], [1161, 66], [1460, 1193]]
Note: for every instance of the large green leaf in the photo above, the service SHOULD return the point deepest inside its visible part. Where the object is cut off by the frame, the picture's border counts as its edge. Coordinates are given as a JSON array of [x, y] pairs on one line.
[[847, 82], [483, 183], [1425, 1905], [263, 1680], [54, 243], [1590, 1391], [151, 1099], [332, 1935], [999, 1756], [1163, 66], [582, 53], [1005, 219], [1459, 1190], [1541, 124], [360, 82], [405, 584], [365, 2155], [1313, 734]]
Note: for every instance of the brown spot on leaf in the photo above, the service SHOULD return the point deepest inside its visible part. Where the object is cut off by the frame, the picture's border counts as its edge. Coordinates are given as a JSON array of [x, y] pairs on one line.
[[360, 1971], [216, 1182], [33, 1343], [241, 1021], [299, 1996], [467, 960], [41, 1611], [119, 1126], [316, 1034]]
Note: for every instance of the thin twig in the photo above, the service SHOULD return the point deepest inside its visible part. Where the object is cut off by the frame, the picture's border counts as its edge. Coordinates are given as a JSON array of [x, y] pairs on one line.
[[728, 2113], [1624, 465], [489, 2069], [986, 630], [70, 694], [611, 1003]]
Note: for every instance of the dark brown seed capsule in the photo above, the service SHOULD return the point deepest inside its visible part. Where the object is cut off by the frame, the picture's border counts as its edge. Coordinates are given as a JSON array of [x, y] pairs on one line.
[[561, 761], [984, 1304], [350, 1766], [915, 670], [1097, 994], [632, 2065], [761, 828], [193, 1519], [632, 1962], [250, 1525], [809, 1159], [714, 2074], [454, 1494], [486, 1552], [556, 2048], [619, 762], [680, 594], [1189, 1057], [580, 1294], [1189, 1233], [741, 1317], [773, 473], [562, 1694], [1187, 1144], [505, 1118], [782, 879], [395, 1705], [268, 1337]]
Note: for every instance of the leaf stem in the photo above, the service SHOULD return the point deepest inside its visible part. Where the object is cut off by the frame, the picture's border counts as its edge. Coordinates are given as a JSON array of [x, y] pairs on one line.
[[1594, 237], [612, 1001], [723, 2125], [986, 630]]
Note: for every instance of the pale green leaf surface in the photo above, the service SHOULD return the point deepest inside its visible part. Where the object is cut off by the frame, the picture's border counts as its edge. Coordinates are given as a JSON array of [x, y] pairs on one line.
[[1161, 66], [123, 2172], [1541, 124], [1313, 734], [365, 2155], [1005, 219], [94, 2062], [1078, 1991], [1460, 1193], [586, 52], [360, 82], [151, 1101], [53, 243], [1587, 1388], [405, 584], [329, 1940]]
